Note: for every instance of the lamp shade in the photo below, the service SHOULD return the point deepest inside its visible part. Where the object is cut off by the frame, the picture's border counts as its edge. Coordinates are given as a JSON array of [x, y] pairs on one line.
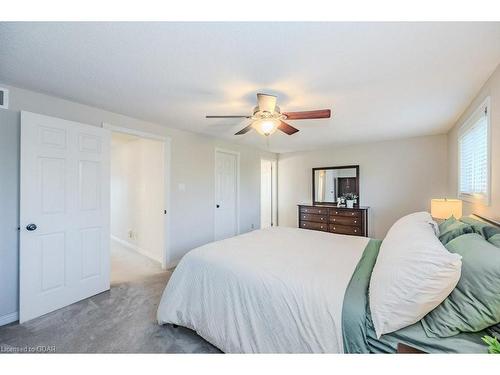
[[445, 208]]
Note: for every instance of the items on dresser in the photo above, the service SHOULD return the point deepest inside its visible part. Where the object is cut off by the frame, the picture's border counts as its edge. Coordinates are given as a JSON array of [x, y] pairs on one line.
[[329, 218]]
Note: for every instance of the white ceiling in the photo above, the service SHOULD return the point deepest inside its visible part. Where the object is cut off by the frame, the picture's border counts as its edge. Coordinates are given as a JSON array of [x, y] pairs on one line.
[[381, 80]]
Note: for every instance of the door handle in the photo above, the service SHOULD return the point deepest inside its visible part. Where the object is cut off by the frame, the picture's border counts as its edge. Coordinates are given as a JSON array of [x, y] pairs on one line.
[[31, 227], [217, 205]]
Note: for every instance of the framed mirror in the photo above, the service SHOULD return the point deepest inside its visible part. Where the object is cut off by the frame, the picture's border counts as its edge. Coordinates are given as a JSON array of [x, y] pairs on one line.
[[330, 183]]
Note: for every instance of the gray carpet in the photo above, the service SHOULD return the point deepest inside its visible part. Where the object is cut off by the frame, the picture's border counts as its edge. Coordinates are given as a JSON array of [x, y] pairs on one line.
[[121, 320]]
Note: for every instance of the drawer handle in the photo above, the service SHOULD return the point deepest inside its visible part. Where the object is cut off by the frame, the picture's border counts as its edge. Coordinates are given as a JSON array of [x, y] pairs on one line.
[[334, 228], [321, 227], [303, 216], [336, 212], [334, 219], [319, 211], [355, 230], [322, 218], [352, 213], [355, 221]]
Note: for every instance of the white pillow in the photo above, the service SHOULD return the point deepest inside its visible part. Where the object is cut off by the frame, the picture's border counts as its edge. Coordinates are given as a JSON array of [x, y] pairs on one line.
[[413, 274]]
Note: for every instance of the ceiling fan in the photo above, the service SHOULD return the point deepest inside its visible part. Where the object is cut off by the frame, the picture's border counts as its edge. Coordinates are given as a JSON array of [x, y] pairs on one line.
[[267, 117]]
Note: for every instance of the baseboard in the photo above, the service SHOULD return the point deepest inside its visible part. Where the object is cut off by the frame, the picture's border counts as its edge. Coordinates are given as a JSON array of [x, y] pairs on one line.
[[134, 247], [171, 265], [124, 243], [9, 318]]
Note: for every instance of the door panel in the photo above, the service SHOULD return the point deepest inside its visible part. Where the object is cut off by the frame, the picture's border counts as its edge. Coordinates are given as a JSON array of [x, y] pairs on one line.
[[226, 195], [65, 192], [53, 255], [90, 239], [89, 183], [53, 184], [89, 143], [52, 137]]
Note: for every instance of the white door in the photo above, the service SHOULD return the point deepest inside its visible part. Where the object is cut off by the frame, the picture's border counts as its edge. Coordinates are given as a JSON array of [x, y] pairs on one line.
[[268, 193], [226, 194], [64, 213]]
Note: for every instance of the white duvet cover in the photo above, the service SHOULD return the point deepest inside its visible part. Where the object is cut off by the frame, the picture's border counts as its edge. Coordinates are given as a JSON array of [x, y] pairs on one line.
[[276, 290]]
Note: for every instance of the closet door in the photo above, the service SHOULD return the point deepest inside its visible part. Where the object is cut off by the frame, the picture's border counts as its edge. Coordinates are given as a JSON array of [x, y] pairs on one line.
[[226, 194]]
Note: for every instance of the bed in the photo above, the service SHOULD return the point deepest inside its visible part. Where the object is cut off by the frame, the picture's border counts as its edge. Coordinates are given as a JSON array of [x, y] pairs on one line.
[[288, 290], [276, 290]]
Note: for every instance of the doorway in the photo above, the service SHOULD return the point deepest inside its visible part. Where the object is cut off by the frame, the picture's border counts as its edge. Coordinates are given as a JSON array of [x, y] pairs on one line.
[[226, 223], [139, 201], [268, 193]]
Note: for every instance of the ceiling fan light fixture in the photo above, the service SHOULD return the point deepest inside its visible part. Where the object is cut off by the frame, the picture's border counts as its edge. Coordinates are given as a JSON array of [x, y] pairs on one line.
[[267, 117], [266, 127]]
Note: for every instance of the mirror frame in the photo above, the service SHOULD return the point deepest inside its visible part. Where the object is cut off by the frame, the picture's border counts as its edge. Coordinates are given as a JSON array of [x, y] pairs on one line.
[[339, 167]]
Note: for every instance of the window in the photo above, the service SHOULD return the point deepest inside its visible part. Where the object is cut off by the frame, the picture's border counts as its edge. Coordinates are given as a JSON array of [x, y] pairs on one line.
[[474, 157]]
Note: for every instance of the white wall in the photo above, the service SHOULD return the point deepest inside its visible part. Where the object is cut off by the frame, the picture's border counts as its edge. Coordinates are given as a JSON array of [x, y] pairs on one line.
[[138, 194], [396, 177], [192, 165], [491, 88], [9, 215]]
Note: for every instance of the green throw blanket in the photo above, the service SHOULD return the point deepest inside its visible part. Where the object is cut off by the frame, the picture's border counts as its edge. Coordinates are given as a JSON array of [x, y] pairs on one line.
[[357, 327]]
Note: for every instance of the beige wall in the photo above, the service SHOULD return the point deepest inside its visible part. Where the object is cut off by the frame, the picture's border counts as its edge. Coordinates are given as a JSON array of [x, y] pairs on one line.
[[492, 89], [192, 165], [396, 177]]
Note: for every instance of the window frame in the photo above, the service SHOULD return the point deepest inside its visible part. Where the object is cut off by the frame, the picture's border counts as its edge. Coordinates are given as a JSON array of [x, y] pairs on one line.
[[483, 199]]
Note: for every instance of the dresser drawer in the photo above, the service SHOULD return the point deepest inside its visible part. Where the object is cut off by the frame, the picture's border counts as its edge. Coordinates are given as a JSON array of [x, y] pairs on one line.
[[349, 213], [345, 220], [315, 226], [341, 220], [314, 218], [314, 210], [345, 229]]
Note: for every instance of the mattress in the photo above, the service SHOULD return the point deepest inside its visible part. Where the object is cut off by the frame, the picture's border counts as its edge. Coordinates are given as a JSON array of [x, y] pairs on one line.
[[277, 290]]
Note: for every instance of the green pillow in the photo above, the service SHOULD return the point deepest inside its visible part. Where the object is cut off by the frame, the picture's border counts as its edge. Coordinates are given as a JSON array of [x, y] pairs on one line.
[[491, 231], [477, 225], [494, 330], [474, 304], [454, 230], [495, 240], [445, 224]]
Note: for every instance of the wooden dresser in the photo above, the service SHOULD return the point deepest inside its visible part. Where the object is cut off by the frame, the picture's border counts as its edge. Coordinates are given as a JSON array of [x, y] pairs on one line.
[[341, 220]]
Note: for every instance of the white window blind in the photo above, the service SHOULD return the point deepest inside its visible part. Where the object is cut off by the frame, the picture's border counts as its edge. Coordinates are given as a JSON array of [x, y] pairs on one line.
[[474, 157]]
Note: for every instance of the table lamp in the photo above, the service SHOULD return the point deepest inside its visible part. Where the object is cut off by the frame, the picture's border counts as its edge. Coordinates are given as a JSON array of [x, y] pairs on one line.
[[445, 208]]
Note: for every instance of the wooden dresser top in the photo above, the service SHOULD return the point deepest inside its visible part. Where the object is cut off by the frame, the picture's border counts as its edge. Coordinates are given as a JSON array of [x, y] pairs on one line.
[[333, 206]]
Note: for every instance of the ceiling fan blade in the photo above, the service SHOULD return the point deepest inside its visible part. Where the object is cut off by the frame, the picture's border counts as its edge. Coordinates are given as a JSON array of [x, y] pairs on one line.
[[288, 129], [266, 102], [245, 130], [230, 116], [306, 115]]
